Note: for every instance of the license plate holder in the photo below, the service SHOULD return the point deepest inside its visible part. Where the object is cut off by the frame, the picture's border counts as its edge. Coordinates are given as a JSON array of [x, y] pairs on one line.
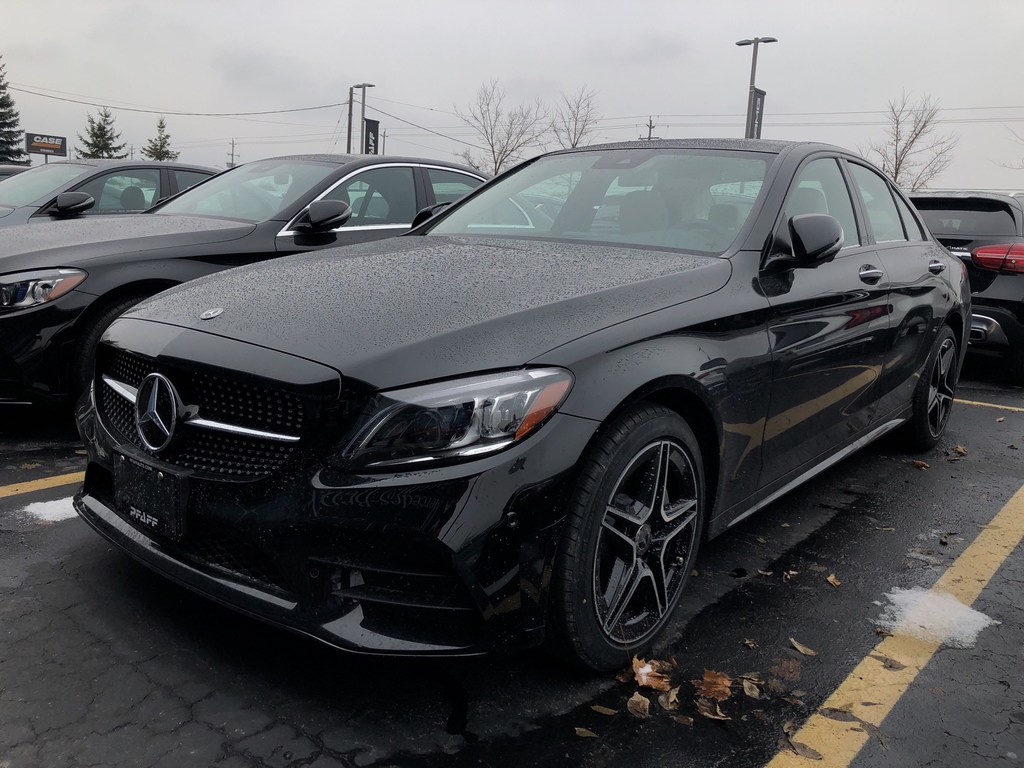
[[150, 499]]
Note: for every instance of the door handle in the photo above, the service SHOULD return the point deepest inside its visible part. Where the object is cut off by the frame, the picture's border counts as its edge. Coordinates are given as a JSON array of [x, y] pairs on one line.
[[870, 274], [935, 266]]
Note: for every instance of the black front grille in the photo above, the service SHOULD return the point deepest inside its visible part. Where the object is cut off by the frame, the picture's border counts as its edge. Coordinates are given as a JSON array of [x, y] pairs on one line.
[[240, 403]]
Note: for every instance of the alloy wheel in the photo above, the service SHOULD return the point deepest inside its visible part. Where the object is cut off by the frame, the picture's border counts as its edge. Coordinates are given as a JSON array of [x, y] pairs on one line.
[[646, 542], [942, 387]]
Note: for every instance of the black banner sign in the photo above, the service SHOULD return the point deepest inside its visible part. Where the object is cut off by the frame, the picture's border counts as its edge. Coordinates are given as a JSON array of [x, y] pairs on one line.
[[371, 130], [45, 144]]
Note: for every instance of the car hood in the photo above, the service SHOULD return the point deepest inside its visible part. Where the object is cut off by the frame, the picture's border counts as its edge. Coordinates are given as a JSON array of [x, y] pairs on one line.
[[76, 241], [417, 308]]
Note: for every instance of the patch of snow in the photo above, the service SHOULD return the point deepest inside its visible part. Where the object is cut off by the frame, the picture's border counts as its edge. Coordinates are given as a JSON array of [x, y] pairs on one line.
[[51, 511], [934, 616]]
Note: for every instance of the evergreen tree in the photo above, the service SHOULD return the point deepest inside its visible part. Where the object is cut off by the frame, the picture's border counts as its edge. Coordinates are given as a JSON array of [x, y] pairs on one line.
[[159, 148], [12, 138], [100, 140]]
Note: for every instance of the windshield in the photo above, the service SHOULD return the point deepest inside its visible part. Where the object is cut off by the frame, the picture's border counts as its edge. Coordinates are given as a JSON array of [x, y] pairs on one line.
[[252, 192], [686, 199], [27, 187]]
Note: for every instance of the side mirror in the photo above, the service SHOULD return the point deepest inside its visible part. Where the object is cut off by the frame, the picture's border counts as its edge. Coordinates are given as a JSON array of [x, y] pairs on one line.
[[328, 214], [816, 238], [425, 213], [72, 203]]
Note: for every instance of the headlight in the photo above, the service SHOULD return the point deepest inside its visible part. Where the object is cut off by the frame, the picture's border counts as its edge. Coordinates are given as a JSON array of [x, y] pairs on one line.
[[26, 289], [456, 420]]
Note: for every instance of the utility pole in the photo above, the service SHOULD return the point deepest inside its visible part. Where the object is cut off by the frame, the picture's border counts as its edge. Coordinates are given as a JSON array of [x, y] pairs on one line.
[[383, 140], [650, 129], [131, 152], [231, 156]]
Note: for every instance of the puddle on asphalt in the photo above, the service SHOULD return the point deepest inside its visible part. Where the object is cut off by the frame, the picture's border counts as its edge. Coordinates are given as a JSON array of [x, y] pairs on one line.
[[50, 511], [933, 616]]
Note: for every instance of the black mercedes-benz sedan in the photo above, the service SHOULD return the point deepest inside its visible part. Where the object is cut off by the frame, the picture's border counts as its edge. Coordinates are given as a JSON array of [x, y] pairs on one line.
[[512, 426], [62, 284], [76, 188]]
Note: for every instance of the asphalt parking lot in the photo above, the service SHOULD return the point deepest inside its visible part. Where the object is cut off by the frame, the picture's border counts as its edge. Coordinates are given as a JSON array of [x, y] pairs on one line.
[[869, 618]]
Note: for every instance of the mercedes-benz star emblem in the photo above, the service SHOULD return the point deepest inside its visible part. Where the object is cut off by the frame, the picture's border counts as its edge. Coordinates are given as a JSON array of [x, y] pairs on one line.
[[156, 412], [211, 313]]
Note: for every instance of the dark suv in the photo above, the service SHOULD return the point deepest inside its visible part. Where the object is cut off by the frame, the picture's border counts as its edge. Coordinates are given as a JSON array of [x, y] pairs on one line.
[[986, 230]]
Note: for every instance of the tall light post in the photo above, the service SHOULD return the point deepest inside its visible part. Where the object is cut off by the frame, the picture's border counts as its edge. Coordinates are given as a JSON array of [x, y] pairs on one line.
[[754, 104], [351, 89], [362, 115]]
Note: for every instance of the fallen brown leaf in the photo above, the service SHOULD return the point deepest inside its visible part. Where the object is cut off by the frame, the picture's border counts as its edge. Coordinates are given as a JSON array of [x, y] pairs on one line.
[[787, 576], [711, 710], [1001, 418], [786, 525], [919, 464], [751, 690], [30, 465], [604, 710], [888, 663], [885, 529], [762, 540], [789, 727], [585, 733], [670, 699], [639, 705], [799, 693], [793, 700], [961, 450], [802, 648], [624, 676], [714, 685], [695, 573], [750, 643], [653, 674], [839, 715], [761, 715], [754, 677], [831, 579], [805, 751], [787, 669], [764, 573], [881, 632], [683, 719]]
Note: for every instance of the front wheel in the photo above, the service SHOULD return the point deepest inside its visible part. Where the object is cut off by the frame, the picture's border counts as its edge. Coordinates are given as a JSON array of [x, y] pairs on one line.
[[933, 398], [630, 540]]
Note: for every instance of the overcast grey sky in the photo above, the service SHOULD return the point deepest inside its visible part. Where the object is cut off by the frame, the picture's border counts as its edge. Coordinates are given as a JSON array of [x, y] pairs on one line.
[[828, 78]]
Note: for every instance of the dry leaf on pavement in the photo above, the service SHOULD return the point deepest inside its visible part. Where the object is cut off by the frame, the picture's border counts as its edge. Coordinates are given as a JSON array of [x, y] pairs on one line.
[[639, 705], [714, 685], [653, 674], [788, 575], [1001, 418], [670, 699], [919, 464], [683, 719], [604, 710], [710, 709], [833, 580], [961, 450], [804, 751], [585, 733], [787, 669], [751, 689], [750, 643], [765, 573], [802, 648]]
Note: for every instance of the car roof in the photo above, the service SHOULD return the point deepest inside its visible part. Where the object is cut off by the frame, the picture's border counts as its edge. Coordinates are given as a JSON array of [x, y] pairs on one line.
[[752, 145], [963, 194], [358, 160], [107, 163]]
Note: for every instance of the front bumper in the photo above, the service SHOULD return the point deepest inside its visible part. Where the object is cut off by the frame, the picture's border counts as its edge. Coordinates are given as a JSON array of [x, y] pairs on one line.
[[451, 561], [35, 347]]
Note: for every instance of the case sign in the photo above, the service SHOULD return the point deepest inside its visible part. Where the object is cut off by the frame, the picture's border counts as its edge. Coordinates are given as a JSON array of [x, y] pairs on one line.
[[45, 144]]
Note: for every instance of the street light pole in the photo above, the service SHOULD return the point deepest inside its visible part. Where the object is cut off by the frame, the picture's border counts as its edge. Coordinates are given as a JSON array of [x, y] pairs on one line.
[[362, 115], [749, 132], [348, 143]]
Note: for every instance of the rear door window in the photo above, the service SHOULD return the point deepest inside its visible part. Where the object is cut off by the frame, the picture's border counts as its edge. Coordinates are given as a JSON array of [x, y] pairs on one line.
[[449, 186], [878, 205]]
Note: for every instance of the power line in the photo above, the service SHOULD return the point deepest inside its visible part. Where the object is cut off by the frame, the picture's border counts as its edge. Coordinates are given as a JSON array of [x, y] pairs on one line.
[[424, 128]]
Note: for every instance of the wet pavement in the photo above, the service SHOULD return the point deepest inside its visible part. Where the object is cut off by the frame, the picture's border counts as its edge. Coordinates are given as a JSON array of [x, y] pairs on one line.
[[104, 663]]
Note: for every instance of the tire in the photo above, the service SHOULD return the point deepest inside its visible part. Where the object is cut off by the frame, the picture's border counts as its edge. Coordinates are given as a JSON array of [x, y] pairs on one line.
[[84, 360], [623, 563], [933, 398]]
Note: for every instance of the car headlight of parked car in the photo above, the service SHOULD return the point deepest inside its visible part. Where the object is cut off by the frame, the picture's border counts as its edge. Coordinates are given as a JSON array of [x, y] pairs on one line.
[[27, 289], [458, 419]]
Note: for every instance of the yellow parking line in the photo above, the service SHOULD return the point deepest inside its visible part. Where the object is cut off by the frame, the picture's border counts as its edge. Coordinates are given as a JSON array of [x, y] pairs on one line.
[[990, 405], [875, 686], [55, 481]]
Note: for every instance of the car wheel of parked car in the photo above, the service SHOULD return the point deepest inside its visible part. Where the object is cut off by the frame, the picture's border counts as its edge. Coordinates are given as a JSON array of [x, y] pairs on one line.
[[631, 537], [933, 399], [85, 357]]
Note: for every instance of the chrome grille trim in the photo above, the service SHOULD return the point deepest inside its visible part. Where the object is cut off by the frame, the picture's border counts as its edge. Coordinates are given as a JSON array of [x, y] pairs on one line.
[[130, 394]]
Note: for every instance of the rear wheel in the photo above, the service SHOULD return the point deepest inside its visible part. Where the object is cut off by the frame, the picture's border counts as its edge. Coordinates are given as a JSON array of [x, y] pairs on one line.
[[631, 538], [933, 398], [85, 356]]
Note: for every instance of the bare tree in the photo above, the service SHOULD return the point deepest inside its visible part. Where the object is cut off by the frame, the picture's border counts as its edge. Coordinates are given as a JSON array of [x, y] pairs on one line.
[[914, 152], [575, 117], [506, 132]]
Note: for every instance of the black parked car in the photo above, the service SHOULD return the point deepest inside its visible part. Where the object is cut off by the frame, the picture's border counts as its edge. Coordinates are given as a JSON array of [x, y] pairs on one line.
[[487, 433], [11, 170], [92, 188], [61, 285], [986, 230]]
